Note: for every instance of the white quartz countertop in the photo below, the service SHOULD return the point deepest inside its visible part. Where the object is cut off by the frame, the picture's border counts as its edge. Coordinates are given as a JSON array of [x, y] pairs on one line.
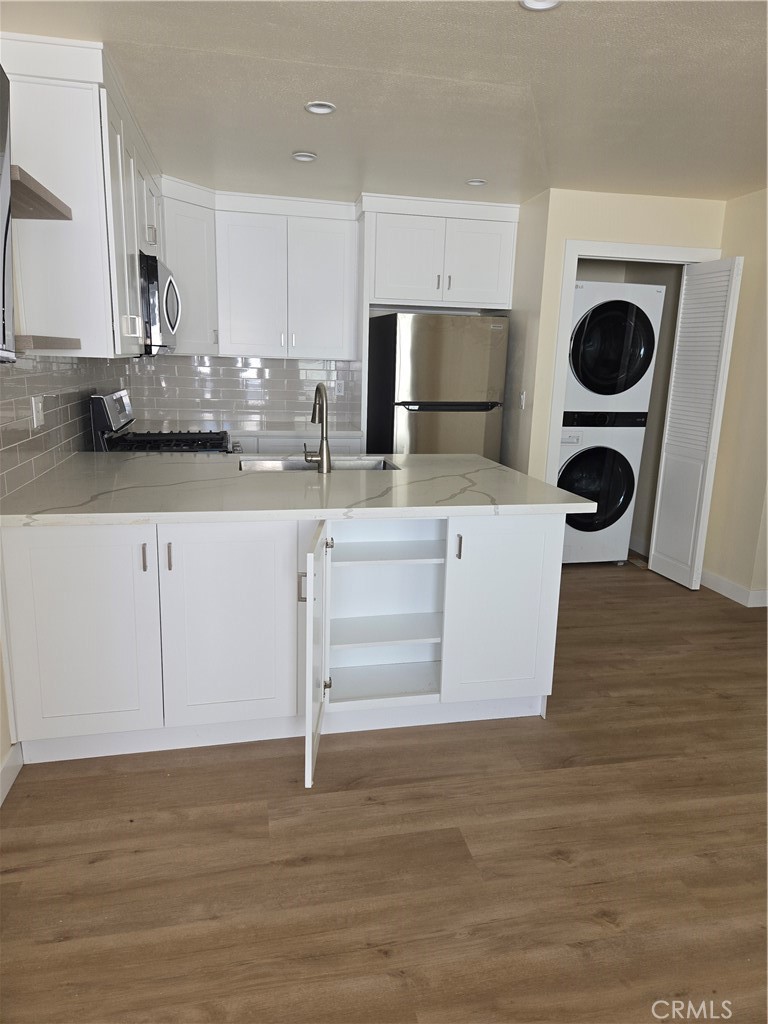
[[158, 487]]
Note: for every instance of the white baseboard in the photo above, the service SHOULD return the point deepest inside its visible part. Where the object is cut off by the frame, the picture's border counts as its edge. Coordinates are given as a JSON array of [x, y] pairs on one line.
[[9, 769], [734, 591], [67, 748]]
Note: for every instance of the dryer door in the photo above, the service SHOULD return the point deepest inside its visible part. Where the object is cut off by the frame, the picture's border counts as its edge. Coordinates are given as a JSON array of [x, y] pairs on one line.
[[603, 475], [612, 347]]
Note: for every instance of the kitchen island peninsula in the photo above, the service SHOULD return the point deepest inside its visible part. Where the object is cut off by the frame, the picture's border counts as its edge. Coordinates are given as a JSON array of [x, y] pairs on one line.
[[157, 601]]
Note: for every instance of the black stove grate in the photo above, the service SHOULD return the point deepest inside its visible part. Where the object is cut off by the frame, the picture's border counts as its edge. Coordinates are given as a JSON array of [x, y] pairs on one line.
[[171, 441]]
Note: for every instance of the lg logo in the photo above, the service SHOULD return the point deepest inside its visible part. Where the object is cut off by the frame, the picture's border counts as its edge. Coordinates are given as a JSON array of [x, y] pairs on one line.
[[679, 1009]]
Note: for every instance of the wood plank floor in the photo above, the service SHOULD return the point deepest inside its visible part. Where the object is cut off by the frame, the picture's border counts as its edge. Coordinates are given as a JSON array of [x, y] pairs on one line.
[[570, 870]]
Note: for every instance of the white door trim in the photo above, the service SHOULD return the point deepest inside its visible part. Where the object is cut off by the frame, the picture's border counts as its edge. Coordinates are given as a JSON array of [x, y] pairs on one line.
[[576, 249]]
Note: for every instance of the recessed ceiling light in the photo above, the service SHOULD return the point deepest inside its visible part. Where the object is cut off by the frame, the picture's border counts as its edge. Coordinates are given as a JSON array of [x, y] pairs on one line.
[[475, 181], [304, 157], [539, 5], [319, 107]]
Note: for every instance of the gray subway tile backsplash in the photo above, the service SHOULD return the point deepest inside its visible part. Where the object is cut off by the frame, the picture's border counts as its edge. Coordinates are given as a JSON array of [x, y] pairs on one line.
[[168, 392]]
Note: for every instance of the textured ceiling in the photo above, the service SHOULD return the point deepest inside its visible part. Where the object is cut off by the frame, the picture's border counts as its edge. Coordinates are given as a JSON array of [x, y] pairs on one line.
[[658, 97]]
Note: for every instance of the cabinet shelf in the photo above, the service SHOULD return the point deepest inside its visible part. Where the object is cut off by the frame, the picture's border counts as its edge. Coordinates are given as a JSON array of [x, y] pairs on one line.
[[406, 682], [425, 552], [32, 201], [376, 630]]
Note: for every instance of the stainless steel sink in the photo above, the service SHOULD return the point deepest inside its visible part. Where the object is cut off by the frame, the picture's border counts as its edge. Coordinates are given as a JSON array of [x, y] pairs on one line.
[[275, 464]]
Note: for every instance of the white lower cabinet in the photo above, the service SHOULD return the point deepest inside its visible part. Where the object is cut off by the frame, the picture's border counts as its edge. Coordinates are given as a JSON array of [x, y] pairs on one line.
[[84, 629], [228, 598], [118, 628], [501, 596], [84, 612], [426, 611]]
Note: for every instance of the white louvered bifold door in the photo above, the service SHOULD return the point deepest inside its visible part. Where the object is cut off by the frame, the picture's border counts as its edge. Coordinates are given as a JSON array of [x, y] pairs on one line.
[[705, 324]]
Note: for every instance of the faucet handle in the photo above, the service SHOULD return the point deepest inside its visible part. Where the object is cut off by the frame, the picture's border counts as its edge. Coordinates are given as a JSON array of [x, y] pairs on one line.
[[310, 456]]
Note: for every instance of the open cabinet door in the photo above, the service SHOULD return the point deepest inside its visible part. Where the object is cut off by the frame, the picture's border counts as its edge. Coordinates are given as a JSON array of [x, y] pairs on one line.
[[318, 623], [705, 323]]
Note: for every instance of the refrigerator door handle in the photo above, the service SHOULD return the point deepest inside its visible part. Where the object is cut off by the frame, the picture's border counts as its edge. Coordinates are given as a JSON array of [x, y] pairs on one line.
[[448, 406]]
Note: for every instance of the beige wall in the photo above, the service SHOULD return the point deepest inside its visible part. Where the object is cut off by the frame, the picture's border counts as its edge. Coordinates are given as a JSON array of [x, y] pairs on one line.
[[524, 330], [603, 217], [735, 547]]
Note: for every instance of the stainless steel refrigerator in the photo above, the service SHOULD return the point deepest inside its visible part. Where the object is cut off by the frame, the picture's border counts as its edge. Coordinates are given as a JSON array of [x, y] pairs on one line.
[[436, 383]]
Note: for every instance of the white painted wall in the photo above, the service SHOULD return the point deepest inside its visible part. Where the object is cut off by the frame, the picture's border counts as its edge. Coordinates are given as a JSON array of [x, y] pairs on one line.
[[736, 541], [524, 330]]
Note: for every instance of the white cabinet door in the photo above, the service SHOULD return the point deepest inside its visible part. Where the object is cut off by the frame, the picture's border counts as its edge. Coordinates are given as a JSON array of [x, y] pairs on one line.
[[317, 646], [251, 258], [228, 597], [127, 327], [62, 273], [409, 258], [148, 227], [501, 596], [478, 262], [190, 241], [321, 288], [84, 629]]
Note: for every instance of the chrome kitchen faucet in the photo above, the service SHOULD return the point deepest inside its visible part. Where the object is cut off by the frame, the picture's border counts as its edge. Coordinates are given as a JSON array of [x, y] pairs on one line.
[[320, 415]]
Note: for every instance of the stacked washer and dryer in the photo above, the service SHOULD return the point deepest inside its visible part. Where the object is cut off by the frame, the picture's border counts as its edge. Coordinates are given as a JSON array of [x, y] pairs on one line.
[[612, 355]]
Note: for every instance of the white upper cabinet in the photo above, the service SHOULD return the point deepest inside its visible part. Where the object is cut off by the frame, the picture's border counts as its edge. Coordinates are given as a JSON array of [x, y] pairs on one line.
[[286, 286], [409, 257], [148, 209], [252, 273], [321, 288], [443, 261], [77, 282], [125, 281], [190, 244], [62, 268], [478, 262]]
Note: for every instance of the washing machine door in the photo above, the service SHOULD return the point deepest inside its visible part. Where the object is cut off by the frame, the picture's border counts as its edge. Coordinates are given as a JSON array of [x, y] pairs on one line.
[[603, 475], [612, 347]]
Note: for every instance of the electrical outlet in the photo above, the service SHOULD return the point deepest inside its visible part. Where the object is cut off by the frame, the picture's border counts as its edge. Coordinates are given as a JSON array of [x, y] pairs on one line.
[[522, 399], [339, 388], [38, 414]]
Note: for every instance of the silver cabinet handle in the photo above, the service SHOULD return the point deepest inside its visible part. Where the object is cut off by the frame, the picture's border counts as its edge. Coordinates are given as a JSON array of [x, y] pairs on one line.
[[460, 546], [215, 337], [144, 564], [438, 283], [293, 341], [282, 339], [449, 282], [302, 576], [151, 234], [170, 557]]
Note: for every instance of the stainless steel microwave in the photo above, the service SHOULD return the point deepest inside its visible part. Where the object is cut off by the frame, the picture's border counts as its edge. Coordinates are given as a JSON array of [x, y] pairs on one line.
[[160, 305]]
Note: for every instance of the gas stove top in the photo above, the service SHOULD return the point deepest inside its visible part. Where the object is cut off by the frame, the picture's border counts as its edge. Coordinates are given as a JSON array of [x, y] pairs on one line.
[[171, 441]]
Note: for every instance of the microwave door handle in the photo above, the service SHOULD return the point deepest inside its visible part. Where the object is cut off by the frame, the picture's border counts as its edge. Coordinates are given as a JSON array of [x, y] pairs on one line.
[[170, 283]]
